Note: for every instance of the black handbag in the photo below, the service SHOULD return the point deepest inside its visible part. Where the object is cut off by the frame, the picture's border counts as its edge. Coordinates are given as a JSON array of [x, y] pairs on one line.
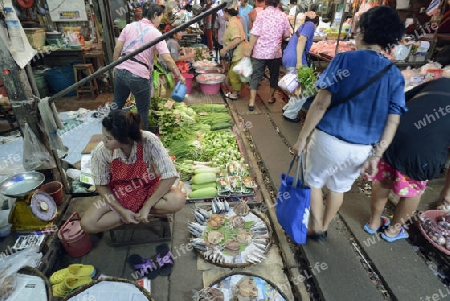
[[229, 55]]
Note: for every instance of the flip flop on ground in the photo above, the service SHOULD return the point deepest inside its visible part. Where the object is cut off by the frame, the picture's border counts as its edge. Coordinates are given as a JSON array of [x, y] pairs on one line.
[[147, 267], [164, 259]]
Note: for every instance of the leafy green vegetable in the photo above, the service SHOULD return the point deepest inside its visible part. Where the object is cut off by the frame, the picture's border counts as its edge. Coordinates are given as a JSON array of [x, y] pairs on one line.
[[307, 78]]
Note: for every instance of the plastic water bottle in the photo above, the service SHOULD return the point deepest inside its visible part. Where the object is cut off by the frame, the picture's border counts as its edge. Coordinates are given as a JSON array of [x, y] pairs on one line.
[[14, 30]]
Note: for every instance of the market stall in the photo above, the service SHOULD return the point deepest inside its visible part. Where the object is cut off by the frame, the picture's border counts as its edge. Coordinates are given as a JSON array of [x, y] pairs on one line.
[[415, 50]]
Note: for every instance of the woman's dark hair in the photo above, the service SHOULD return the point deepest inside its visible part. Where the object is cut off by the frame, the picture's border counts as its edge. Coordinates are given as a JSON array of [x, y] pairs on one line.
[[151, 10], [188, 7], [381, 25], [123, 126], [316, 20], [273, 3], [232, 11]]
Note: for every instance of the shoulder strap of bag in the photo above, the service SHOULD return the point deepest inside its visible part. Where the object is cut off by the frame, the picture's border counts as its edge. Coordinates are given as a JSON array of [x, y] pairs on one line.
[[363, 87], [299, 170], [141, 39]]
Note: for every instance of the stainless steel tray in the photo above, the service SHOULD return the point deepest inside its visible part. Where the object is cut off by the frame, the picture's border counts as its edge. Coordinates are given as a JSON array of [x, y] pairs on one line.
[[21, 184]]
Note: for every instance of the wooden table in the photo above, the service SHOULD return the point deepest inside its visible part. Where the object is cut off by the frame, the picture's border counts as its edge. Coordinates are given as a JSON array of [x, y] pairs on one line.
[[321, 58], [62, 56]]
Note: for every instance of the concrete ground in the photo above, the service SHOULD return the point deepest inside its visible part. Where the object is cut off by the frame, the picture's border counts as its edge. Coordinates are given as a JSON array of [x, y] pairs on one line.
[[351, 265]]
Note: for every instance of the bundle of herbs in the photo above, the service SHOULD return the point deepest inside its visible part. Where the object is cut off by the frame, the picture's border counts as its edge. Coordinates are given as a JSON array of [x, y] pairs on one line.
[[307, 79]]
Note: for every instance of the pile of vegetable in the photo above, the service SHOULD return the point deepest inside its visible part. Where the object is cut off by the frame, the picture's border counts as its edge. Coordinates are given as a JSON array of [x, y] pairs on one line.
[[199, 133], [202, 54], [307, 78], [203, 182]]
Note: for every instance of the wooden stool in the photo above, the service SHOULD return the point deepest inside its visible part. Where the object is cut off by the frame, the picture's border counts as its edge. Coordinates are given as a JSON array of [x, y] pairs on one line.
[[81, 71], [159, 226], [95, 57]]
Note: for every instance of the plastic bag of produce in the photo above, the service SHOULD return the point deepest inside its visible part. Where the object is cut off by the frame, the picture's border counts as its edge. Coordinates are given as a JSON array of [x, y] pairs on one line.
[[244, 67], [35, 155]]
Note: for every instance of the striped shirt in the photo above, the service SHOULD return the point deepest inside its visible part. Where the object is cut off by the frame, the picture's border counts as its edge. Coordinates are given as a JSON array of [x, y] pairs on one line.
[[155, 156]]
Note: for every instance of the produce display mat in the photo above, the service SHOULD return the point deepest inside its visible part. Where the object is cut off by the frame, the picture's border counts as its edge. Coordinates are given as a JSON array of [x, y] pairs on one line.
[[241, 286], [230, 236], [235, 198]]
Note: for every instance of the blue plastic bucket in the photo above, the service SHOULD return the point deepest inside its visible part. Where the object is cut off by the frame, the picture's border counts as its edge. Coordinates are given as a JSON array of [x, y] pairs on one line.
[[59, 78]]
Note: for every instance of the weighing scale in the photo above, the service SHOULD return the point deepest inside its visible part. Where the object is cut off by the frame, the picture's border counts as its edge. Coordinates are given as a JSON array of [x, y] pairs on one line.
[[33, 209]]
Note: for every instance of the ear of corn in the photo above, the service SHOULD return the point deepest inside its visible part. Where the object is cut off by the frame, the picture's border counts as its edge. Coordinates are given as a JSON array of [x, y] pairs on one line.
[[204, 193]]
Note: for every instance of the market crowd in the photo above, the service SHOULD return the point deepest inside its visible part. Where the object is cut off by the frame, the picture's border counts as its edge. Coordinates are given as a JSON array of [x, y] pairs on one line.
[[365, 119]]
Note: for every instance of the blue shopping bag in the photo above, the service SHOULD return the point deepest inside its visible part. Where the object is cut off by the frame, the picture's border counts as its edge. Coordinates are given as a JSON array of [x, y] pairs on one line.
[[292, 207]]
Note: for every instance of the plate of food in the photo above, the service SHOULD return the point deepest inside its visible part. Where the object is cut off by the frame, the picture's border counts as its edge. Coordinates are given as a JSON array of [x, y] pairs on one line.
[[229, 236]]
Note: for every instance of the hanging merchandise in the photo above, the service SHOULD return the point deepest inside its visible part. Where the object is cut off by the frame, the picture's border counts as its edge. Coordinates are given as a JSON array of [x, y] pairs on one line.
[[25, 3], [67, 11], [35, 155], [402, 4], [14, 30], [433, 8]]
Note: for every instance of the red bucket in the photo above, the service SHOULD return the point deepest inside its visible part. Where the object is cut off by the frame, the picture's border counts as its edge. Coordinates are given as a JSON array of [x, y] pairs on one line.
[[189, 78], [55, 190], [75, 241]]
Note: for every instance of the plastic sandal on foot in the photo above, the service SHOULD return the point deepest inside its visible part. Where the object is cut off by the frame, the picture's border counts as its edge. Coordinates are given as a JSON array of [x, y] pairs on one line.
[[251, 108], [386, 222], [318, 236], [402, 235]]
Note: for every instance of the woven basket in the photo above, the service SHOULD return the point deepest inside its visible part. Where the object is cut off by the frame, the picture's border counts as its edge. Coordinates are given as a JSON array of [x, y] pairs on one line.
[[243, 273], [85, 287], [27, 270], [434, 215]]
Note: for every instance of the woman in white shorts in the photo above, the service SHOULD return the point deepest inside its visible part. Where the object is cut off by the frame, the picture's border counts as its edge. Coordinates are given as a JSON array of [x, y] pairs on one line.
[[349, 138]]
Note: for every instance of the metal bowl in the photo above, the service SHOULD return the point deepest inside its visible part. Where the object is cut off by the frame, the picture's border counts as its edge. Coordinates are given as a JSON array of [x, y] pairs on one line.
[[21, 184], [210, 70], [210, 79]]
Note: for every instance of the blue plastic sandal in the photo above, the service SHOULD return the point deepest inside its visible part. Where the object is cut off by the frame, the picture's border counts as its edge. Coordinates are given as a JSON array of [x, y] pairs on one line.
[[386, 223], [402, 235]]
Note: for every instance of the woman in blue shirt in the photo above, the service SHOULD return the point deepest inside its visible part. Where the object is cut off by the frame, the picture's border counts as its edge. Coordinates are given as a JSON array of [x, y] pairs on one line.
[[300, 43], [350, 138]]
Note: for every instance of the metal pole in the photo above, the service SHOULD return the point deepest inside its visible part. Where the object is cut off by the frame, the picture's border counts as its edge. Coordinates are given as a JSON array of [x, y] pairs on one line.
[[340, 26], [132, 54]]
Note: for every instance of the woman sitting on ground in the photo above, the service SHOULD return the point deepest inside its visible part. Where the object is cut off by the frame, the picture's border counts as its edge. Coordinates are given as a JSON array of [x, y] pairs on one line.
[[133, 174], [344, 136]]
